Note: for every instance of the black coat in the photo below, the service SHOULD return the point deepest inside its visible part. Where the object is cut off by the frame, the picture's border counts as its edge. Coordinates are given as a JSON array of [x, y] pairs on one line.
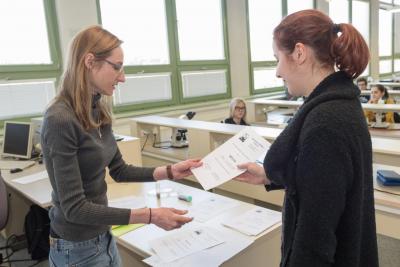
[[231, 121], [323, 160]]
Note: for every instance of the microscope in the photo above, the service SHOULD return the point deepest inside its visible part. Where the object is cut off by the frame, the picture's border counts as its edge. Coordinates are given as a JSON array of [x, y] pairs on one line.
[[179, 139]]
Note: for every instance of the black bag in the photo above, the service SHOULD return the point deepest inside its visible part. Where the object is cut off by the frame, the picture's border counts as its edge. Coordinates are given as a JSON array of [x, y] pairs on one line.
[[37, 230]]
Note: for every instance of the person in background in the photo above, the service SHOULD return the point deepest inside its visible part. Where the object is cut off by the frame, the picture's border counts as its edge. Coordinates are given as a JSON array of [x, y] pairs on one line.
[[237, 112], [323, 158], [379, 95], [78, 145], [362, 85]]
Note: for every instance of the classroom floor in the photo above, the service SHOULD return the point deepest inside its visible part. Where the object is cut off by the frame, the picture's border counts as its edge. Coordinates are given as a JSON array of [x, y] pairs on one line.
[[389, 249]]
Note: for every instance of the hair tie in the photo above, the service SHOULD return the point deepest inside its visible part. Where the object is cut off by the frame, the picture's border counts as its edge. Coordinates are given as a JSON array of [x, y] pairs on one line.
[[336, 28]]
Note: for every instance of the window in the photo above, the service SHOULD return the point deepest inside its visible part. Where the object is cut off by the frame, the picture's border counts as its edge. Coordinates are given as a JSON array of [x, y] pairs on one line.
[[360, 19], [29, 58], [260, 29], [385, 42], [263, 17], [161, 50], [296, 5], [339, 11]]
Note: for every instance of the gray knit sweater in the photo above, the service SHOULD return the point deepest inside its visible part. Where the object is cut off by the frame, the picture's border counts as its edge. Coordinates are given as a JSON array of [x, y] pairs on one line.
[[75, 161]]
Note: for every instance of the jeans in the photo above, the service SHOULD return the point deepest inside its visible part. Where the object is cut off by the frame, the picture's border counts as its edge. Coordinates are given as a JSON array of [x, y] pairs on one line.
[[99, 251]]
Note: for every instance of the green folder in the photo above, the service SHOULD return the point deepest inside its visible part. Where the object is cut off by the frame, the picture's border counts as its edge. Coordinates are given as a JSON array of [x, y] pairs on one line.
[[118, 230]]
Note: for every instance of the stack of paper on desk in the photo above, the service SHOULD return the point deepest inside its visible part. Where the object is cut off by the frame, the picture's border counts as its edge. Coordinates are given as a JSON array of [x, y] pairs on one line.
[[32, 178], [211, 257], [254, 221], [220, 165], [211, 207], [183, 243]]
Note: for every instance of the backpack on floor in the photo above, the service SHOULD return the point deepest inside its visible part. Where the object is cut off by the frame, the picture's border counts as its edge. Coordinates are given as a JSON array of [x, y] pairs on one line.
[[37, 230]]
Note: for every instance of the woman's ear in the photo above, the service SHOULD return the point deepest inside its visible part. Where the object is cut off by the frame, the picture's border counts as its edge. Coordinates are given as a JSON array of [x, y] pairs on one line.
[[300, 53], [89, 60]]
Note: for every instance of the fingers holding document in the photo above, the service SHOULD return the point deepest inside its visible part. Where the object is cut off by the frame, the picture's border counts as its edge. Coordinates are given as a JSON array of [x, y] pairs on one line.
[[169, 218], [254, 174]]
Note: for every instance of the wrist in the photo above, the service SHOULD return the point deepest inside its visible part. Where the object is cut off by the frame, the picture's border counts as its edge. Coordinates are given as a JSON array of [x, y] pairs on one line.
[[139, 216]]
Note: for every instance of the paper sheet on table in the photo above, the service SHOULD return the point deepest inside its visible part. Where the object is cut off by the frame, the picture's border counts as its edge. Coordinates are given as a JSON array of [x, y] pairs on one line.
[[254, 221], [130, 202], [210, 207], [220, 165], [32, 178], [185, 242], [211, 257]]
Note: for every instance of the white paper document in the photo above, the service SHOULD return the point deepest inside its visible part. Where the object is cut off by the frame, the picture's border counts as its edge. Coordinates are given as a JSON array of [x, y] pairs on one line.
[[32, 178], [211, 207], [184, 242], [220, 165], [211, 257], [254, 221], [130, 202]]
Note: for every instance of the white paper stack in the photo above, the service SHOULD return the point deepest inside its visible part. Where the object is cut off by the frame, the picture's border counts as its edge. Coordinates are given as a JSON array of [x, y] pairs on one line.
[[210, 208], [254, 221], [183, 243], [211, 257]]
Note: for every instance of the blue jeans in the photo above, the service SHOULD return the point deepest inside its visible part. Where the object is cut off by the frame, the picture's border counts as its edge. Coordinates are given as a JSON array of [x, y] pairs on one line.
[[99, 251]]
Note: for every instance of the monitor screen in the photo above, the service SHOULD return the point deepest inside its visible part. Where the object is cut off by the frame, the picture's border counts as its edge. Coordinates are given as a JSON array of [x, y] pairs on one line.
[[17, 140]]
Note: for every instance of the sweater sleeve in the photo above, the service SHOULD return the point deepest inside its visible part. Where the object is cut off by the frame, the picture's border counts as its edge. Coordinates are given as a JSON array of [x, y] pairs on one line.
[[122, 172], [324, 173], [61, 136]]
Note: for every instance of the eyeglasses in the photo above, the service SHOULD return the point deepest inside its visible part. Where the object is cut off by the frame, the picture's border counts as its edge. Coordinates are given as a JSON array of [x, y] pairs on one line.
[[240, 108], [116, 67]]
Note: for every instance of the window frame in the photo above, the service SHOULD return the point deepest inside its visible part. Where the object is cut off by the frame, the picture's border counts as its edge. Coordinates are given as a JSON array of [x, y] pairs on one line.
[[261, 64], [40, 71], [176, 66]]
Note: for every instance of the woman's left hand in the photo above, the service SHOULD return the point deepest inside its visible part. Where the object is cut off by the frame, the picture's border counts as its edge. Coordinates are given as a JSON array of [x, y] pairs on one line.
[[183, 169]]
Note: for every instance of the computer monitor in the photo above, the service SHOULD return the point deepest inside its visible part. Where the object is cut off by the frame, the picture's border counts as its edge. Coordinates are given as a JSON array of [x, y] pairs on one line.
[[17, 141]]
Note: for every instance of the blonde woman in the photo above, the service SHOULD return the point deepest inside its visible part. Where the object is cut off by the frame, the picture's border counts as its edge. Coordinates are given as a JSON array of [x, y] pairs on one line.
[[78, 145], [237, 112]]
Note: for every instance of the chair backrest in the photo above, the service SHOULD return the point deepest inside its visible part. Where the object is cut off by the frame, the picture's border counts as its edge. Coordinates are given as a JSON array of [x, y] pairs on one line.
[[3, 203]]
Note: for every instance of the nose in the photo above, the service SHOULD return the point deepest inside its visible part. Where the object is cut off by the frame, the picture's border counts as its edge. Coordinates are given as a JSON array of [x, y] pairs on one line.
[[121, 77]]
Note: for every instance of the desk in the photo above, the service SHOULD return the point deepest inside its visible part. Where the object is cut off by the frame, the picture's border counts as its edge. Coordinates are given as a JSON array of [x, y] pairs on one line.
[[394, 93], [387, 84], [266, 246], [258, 108], [134, 245], [203, 137], [21, 196], [387, 208]]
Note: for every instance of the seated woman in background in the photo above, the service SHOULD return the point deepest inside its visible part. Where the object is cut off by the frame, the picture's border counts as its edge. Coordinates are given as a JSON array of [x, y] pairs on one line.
[[237, 112], [379, 95]]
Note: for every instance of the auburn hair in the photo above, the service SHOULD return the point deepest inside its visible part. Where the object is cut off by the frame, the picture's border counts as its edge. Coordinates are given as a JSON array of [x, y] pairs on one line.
[[333, 44], [75, 89]]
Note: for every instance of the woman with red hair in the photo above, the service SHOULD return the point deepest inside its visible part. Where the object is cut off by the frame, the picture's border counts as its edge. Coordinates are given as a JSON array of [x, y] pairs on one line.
[[323, 158]]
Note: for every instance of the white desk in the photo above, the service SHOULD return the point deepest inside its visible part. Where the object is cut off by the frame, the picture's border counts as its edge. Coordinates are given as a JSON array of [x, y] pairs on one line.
[[388, 84], [387, 207], [257, 108], [393, 93], [134, 246], [265, 249]]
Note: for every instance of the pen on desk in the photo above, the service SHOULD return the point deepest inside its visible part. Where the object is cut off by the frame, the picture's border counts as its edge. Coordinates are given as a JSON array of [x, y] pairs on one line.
[[185, 198]]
